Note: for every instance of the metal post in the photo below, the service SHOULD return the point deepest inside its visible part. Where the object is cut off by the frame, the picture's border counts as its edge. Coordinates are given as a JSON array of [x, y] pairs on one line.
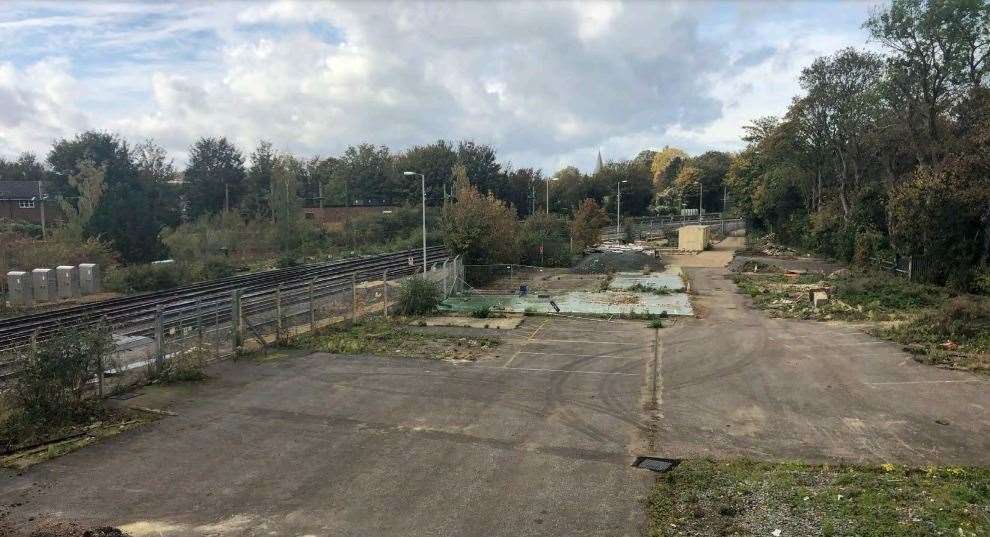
[[445, 278], [385, 290], [354, 304], [910, 267], [312, 305], [278, 312], [199, 323], [423, 177], [159, 338], [618, 206], [235, 320]]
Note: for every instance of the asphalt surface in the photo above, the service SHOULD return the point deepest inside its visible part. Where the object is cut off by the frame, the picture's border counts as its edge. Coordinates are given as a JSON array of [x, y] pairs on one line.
[[736, 383], [537, 440]]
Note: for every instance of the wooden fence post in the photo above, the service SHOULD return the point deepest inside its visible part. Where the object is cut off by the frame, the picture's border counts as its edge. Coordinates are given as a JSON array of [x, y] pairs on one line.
[[278, 313], [235, 320], [159, 338], [354, 302], [312, 305], [910, 271], [385, 290], [199, 324]]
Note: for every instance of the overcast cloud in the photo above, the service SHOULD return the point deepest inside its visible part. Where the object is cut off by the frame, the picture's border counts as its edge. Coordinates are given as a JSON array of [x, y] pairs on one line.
[[547, 84]]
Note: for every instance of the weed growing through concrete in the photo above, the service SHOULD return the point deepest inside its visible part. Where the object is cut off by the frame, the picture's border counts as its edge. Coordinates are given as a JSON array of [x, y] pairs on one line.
[[392, 337]]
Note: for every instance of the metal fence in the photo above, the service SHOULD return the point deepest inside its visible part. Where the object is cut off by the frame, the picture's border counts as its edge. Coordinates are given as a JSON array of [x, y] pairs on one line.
[[913, 268], [219, 328]]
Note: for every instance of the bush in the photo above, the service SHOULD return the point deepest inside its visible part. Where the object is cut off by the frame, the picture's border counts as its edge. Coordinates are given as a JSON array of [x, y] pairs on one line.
[[887, 293], [964, 316], [418, 295], [51, 390], [217, 268], [186, 366], [139, 278], [549, 232], [482, 312]]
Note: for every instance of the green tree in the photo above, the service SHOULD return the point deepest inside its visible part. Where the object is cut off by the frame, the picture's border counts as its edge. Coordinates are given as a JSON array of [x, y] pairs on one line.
[[258, 182], [214, 180], [589, 219], [436, 161], [479, 226], [89, 183]]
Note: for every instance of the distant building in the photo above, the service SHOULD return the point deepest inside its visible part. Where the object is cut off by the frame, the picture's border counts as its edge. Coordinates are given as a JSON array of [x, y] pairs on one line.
[[334, 218], [26, 201], [599, 165]]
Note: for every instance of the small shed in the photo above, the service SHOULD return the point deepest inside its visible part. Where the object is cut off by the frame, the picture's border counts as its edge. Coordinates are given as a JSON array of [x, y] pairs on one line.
[[693, 238]]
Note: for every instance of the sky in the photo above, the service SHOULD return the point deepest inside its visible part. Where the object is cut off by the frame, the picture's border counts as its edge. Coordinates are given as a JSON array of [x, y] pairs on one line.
[[548, 84]]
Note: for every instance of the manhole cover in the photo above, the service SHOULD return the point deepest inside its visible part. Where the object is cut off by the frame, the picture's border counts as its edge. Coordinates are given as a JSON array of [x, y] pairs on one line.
[[656, 464]]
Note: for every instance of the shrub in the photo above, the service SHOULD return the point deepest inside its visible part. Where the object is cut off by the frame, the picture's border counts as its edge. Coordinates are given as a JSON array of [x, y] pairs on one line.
[[481, 312], [549, 232], [186, 366], [964, 316], [151, 277], [418, 295], [217, 268], [51, 390]]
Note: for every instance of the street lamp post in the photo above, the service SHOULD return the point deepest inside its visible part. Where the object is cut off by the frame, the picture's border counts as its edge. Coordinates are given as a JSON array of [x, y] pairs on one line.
[[548, 192], [423, 177], [618, 204]]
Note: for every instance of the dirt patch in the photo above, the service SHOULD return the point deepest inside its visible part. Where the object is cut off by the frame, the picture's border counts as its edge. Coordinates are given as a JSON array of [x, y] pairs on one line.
[[61, 529], [506, 323]]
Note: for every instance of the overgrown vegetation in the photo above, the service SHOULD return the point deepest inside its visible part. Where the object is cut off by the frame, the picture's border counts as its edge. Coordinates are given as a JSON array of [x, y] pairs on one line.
[[658, 290], [955, 335], [418, 296], [704, 498], [52, 393], [381, 337], [884, 155], [187, 366]]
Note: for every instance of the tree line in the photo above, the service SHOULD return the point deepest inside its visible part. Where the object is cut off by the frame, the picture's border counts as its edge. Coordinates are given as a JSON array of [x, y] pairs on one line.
[[132, 195], [884, 154]]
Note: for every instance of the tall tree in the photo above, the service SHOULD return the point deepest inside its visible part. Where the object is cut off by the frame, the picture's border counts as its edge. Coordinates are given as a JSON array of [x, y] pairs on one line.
[[258, 183], [366, 174], [436, 161], [214, 180]]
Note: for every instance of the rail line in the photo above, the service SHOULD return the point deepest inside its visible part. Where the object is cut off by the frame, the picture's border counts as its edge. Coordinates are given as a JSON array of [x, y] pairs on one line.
[[132, 312]]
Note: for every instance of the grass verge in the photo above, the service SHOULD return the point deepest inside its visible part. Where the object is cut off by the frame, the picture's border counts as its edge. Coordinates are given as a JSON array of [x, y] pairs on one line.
[[393, 337], [705, 498]]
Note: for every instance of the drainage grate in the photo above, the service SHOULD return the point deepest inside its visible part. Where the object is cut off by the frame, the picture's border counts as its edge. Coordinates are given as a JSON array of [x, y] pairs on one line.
[[656, 464]]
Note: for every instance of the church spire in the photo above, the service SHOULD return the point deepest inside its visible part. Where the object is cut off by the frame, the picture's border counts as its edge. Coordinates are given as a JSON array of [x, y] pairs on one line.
[[598, 164]]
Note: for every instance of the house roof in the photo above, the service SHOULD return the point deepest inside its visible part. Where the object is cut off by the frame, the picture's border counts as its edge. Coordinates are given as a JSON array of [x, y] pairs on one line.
[[19, 190]]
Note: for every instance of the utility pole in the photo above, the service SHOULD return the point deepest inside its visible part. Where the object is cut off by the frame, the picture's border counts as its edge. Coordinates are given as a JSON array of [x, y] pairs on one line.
[[618, 204], [701, 196]]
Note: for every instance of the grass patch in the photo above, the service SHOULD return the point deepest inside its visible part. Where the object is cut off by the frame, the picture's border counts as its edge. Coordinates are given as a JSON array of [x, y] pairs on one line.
[[703, 498], [382, 337], [26, 444], [659, 290]]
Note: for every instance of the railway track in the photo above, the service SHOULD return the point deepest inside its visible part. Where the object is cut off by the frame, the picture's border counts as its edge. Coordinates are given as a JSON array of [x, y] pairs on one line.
[[131, 313]]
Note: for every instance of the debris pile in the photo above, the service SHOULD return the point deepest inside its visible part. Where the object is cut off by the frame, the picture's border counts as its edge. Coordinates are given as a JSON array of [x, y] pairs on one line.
[[768, 245], [606, 262]]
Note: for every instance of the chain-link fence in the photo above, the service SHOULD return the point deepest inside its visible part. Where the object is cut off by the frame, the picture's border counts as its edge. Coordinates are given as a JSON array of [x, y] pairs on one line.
[[218, 328]]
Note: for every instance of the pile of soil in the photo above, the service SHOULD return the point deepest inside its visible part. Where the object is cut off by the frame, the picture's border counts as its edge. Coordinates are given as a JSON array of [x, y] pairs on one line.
[[605, 262]]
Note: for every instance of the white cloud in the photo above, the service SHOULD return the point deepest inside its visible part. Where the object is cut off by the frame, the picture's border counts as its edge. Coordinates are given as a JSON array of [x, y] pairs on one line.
[[546, 83]]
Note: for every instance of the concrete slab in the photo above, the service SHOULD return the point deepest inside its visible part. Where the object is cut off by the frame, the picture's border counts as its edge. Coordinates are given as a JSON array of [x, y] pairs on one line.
[[333, 445], [671, 278], [579, 302]]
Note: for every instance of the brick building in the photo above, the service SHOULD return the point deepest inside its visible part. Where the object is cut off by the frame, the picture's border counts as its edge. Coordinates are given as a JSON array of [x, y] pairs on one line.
[[26, 201]]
